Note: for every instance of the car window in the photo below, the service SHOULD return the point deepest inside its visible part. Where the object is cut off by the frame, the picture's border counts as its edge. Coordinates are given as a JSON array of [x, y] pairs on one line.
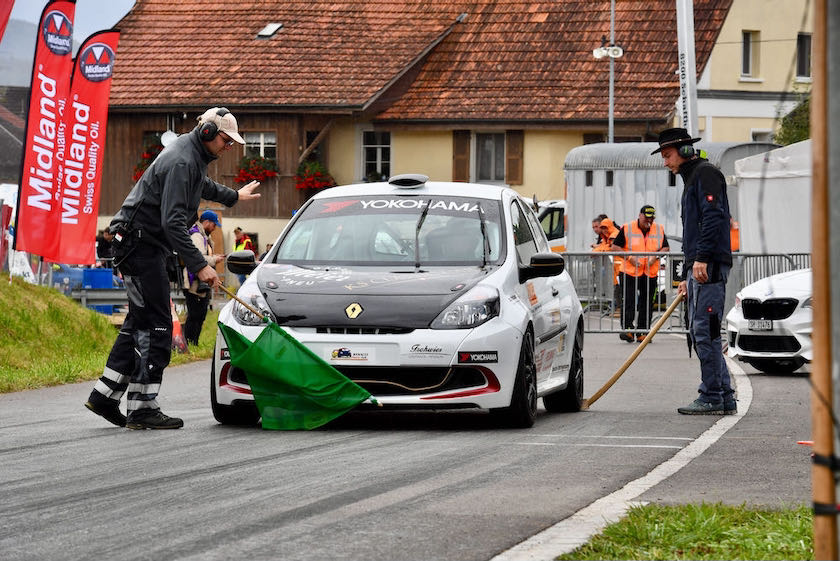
[[536, 229], [382, 230], [552, 223], [522, 236]]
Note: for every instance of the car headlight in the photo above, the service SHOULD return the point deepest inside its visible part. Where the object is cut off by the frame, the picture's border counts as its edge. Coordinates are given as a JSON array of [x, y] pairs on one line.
[[478, 305], [245, 316], [808, 302], [738, 302]]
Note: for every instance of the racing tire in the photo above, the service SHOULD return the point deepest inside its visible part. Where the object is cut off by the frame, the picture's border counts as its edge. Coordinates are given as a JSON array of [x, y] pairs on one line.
[[522, 412], [570, 398], [238, 413], [776, 366]]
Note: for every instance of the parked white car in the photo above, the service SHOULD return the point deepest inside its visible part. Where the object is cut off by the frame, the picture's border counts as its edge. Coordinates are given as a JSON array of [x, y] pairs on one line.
[[770, 325], [427, 294]]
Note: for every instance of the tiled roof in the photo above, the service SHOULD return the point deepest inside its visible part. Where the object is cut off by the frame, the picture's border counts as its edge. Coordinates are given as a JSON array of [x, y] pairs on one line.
[[508, 60]]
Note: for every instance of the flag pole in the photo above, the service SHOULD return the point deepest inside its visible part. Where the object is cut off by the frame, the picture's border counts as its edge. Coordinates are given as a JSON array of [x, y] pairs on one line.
[[251, 309]]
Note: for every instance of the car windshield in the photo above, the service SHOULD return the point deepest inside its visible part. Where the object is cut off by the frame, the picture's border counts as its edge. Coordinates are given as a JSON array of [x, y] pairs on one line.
[[381, 230]]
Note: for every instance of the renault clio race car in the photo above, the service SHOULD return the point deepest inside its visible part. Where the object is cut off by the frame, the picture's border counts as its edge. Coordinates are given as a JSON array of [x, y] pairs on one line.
[[427, 294], [770, 325]]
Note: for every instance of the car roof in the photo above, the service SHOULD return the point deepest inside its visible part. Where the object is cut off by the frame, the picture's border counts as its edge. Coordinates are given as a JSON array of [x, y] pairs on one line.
[[429, 188]]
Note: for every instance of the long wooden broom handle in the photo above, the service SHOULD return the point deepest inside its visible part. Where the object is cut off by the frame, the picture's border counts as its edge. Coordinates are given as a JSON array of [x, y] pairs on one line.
[[588, 402]]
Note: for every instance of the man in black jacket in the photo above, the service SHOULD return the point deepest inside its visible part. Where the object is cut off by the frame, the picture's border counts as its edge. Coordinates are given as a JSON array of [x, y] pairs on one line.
[[708, 258], [154, 220]]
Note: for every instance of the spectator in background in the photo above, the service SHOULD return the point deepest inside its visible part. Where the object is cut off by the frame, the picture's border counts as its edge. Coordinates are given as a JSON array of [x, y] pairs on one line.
[[104, 250], [608, 233], [268, 247], [196, 292], [596, 227], [242, 241], [640, 272]]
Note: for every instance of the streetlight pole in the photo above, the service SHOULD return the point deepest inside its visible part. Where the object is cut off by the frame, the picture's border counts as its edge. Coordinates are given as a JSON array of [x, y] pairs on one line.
[[611, 129], [613, 51]]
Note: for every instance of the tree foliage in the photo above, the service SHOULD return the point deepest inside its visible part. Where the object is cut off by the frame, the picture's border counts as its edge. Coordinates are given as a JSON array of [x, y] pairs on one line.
[[796, 125]]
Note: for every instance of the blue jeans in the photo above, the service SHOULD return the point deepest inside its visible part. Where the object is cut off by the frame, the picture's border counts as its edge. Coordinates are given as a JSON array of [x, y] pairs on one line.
[[705, 313]]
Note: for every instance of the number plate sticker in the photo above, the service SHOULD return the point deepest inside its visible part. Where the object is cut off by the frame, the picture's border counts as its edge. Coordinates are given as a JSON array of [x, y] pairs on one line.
[[760, 324]]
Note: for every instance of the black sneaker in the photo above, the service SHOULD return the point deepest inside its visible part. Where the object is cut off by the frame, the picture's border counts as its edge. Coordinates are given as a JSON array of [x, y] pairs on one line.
[[698, 407], [730, 407], [108, 411], [626, 337], [155, 420]]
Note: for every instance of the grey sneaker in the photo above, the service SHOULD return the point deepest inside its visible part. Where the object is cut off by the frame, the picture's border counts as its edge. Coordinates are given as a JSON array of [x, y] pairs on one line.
[[155, 420], [698, 407], [108, 411]]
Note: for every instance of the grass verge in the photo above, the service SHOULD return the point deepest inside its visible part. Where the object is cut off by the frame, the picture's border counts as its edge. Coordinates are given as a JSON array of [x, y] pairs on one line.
[[704, 531], [48, 339]]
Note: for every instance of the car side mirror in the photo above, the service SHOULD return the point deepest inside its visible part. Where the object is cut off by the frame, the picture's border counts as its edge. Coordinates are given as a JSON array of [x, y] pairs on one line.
[[542, 265], [241, 262]]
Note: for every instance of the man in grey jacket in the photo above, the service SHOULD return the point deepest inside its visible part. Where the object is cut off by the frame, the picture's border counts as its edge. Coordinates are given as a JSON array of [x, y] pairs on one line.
[[154, 220]]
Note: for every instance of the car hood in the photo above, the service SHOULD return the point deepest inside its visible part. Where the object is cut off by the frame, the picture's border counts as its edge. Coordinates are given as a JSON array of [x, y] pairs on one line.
[[793, 284], [376, 297]]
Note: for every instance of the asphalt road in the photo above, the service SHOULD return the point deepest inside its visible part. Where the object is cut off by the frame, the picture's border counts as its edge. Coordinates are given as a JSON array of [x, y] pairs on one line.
[[375, 485]]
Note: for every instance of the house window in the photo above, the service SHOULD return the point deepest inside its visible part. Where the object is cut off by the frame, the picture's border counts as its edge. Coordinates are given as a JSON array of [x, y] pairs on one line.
[[803, 55], [376, 154], [749, 53], [759, 135], [262, 144], [490, 157]]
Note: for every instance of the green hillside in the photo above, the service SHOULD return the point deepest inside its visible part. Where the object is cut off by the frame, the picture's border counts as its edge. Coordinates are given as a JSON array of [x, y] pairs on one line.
[[47, 339]]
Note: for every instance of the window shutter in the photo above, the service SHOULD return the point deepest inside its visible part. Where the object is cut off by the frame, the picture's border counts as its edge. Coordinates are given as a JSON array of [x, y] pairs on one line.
[[514, 154], [460, 155]]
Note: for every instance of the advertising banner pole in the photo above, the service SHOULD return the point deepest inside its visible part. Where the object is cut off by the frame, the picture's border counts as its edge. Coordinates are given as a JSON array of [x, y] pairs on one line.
[[85, 120], [36, 225]]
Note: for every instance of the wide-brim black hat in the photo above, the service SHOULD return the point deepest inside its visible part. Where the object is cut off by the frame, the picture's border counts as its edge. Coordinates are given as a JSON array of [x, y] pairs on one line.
[[674, 137]]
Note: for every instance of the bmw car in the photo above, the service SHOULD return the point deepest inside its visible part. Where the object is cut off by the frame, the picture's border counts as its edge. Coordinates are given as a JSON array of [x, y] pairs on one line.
[[430, 295], [770, 325]]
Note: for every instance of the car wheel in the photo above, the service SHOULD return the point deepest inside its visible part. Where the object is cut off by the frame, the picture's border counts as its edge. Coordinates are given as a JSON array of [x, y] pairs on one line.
[[241, 413], [776, 366], [523, 403], [569, 399]]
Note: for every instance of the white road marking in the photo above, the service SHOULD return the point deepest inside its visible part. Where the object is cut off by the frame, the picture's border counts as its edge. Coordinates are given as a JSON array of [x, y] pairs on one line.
[[573, 532], [608, 436], [593, 445]]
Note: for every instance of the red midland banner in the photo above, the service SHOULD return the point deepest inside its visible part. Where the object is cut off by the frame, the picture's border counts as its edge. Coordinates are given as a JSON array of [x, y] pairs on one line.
[[85, 121], [37, 227], [5, 11]]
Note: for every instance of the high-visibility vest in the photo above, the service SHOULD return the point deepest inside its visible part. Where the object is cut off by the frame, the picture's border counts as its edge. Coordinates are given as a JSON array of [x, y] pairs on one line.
[[636, 240]]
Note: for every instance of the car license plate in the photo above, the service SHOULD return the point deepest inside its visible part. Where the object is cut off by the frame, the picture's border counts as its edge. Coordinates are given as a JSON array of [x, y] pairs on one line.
[[760, 325]]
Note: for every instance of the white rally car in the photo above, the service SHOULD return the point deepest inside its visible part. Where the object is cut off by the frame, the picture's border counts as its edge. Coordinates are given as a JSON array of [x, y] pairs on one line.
[[427, 294], [770, 325]]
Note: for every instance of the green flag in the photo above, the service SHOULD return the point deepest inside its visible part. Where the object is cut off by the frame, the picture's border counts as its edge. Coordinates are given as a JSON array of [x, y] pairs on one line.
[[293, 387]]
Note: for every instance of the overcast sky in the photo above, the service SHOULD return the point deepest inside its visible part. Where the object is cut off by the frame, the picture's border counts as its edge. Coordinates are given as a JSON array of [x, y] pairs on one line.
[[91, 15]]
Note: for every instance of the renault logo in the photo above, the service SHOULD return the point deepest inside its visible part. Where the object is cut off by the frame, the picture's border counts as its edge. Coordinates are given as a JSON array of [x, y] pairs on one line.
[[353, 310]]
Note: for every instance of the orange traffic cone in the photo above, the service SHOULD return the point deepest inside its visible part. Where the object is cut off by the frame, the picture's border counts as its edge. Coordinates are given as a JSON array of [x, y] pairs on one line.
[[179, 343]]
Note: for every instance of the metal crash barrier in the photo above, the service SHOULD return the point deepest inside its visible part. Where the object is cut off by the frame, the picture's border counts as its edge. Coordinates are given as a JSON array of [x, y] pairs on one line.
[[594, 276]]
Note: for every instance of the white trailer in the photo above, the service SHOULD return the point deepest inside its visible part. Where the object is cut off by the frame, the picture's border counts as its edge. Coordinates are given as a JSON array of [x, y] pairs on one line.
[[774, 198], [618, 179]]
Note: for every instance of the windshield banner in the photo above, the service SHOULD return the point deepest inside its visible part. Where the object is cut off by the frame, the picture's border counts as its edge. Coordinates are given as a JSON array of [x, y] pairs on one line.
[[37, 222], [85, 121]]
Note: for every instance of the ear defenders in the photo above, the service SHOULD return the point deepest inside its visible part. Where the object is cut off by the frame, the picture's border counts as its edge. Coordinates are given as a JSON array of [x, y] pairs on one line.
[[210, 129], [686, 151]]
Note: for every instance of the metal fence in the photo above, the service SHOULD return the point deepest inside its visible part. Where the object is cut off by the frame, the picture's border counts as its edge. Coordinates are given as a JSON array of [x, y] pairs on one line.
[[595, 280]]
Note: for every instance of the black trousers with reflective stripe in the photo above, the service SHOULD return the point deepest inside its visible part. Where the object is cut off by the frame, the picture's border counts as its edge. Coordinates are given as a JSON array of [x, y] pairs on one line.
[[638, 297], [144, 345]]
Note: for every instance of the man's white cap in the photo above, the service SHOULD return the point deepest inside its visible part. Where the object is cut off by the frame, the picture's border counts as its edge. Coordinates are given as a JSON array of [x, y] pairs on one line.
[[223, 119]]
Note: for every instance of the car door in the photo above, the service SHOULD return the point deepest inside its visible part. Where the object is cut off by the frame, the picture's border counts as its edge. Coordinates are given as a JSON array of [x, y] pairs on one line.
[[558, 311], [535, 293]]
